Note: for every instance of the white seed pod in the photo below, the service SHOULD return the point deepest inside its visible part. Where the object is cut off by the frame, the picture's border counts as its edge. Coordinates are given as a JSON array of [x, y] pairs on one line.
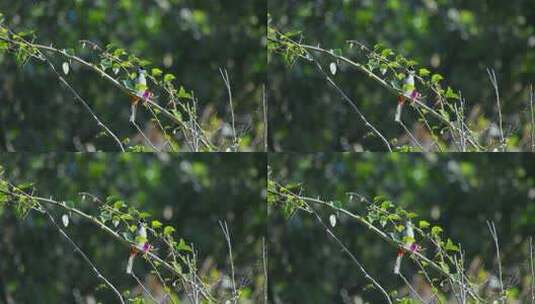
[[65, 220], [333, 67], [65, 68], [332, 220]]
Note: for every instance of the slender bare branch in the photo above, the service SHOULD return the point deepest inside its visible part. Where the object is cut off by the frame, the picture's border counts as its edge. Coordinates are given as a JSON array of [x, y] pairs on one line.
[[367, 276], [85, 257]]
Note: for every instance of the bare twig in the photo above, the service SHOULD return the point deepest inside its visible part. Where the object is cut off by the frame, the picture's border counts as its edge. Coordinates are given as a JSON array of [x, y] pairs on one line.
[[532, 264], [144, 288], [145, 137], [226, 232], [226, 79], [353, 106], [85, 257], [532, 111], [84, 103], [265, 115], [413, 138], [265, 267], [367, 276], [411, 288], [494, 82], [494, 234]]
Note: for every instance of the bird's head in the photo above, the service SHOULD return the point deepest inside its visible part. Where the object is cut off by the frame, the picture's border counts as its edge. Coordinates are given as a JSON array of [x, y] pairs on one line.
[[141, 71]]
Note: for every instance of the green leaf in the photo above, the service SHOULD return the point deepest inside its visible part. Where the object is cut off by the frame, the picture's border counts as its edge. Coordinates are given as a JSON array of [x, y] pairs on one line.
[[436, 78], [168, 230], [412, 215], [451, 94], [183, 94], [182, 246], [169, 77], [436, 230], [144, 215], [119, 52], [119, 204], [156, 224], [156, 72], [387, 52], [105, 64], [424, 72], [450, 246], [423, 224], [400, 228]]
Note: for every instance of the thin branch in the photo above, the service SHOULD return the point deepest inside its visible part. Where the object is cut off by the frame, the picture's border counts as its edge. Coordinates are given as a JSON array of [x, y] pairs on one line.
[[84, 103], [265, 115], [226, 232], [85, 257], [494, 234], [532, 111], [144, 288], [532, 264], [226, 79], [411, 288], [145, 137], [494, 82], [265, 267], [367, 276], [412, 136], [353, 106]]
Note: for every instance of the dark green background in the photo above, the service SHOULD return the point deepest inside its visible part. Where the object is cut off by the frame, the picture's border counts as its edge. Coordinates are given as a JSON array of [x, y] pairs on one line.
[[306, 114], [306, 266], [37, 265], [199, 36]]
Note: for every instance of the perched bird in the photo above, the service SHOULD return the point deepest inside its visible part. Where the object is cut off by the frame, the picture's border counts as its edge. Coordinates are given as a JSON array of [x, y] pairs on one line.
[[142, 245], [410, 92], [142, 93], [410, 245]]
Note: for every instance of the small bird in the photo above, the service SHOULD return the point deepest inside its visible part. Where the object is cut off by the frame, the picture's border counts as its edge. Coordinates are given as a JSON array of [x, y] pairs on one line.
[[142, 93], [141, 246], [410, 93], [410, 245]]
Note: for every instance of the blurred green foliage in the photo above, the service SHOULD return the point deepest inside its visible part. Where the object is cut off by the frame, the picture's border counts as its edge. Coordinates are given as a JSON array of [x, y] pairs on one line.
[[190, 39], [458, 39], [458, 192], [191, 192]]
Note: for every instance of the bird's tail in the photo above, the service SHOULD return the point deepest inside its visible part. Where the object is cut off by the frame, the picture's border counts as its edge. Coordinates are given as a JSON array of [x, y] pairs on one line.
[[397, 265], [130, 263], [133, 112], [399, 109]]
